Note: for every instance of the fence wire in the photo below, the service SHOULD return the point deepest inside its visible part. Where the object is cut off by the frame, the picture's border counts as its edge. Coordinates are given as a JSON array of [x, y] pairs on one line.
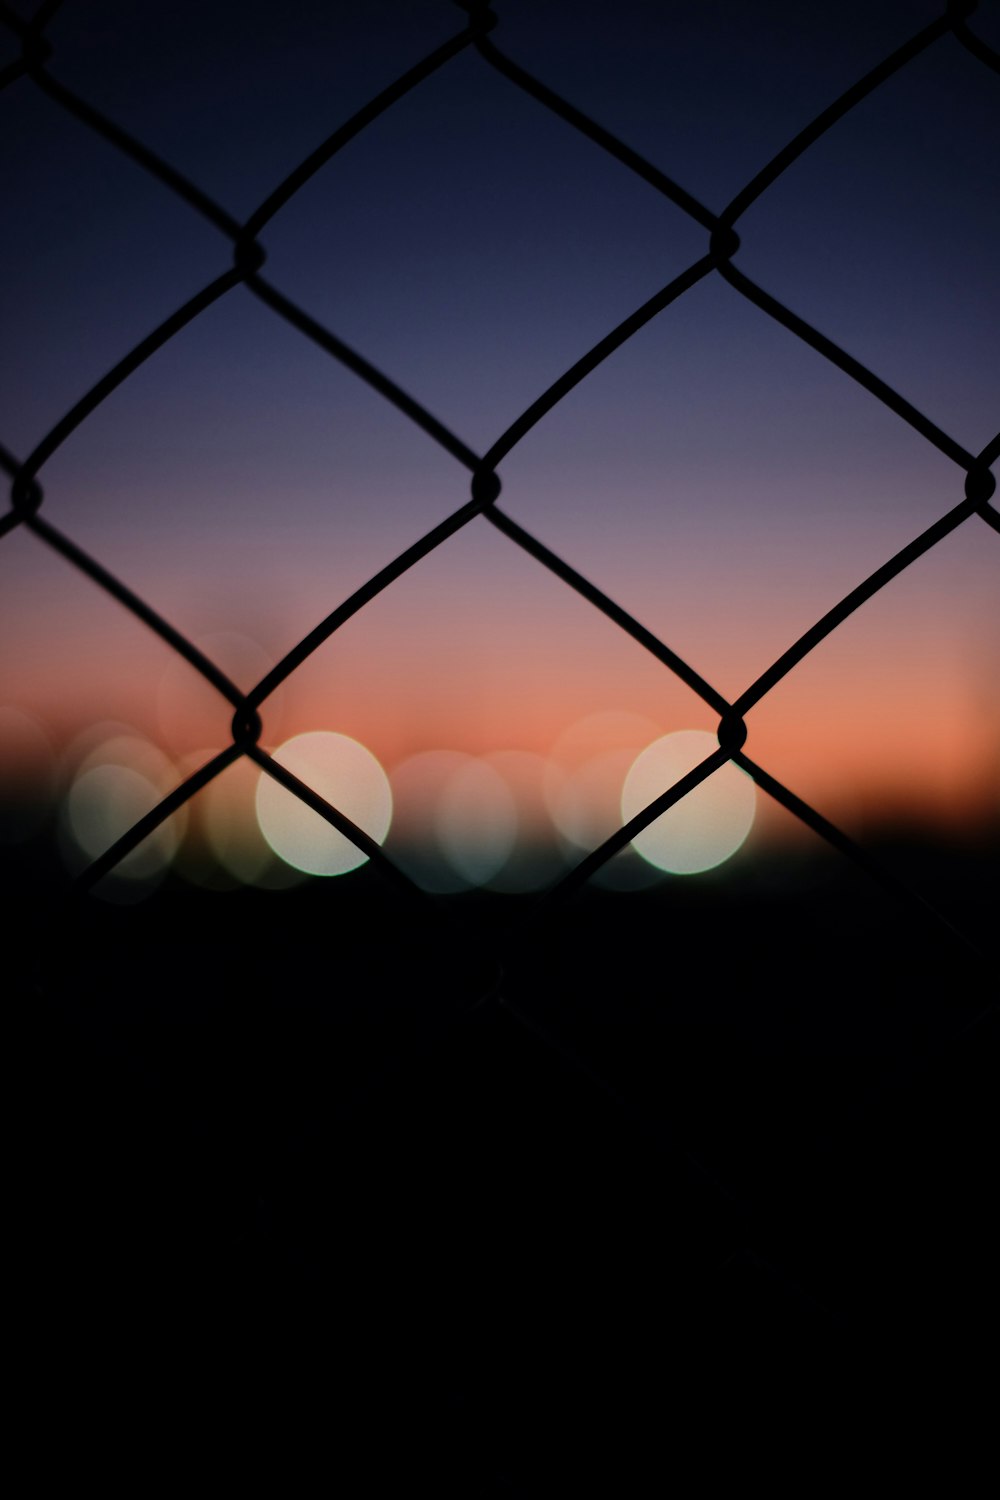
[[248, 257], [243, 263]]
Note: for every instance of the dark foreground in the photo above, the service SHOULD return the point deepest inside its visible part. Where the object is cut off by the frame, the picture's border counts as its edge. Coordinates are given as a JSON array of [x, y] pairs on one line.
[[499, 1208]]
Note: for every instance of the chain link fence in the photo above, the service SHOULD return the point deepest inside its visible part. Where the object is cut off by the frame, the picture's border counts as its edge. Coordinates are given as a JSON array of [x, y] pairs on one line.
[[974, 507], [244, 264]]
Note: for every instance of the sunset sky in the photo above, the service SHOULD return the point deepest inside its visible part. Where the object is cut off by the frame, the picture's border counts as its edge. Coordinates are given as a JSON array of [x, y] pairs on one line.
[[716, 477]]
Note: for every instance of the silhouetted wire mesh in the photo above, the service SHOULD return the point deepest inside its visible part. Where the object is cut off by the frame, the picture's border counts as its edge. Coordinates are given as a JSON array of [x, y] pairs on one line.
[[33, 69]]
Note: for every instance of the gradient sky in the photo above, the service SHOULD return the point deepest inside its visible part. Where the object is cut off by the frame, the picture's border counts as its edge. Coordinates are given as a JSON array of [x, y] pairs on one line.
[[716, 477]]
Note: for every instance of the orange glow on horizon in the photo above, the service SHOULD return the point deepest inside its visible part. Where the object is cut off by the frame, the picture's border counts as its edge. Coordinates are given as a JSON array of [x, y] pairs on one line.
[[890, 717]]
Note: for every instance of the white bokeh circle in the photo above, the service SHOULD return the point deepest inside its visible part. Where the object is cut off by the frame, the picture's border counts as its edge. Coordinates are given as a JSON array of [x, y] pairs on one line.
[[345, 774], [121, 777], [703, 829]]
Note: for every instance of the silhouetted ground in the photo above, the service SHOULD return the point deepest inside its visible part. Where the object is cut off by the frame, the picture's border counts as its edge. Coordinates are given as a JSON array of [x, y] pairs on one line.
[[499, 1208]]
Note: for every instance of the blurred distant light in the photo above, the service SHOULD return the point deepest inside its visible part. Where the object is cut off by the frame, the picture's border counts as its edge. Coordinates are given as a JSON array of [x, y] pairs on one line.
[[455, 820], [476, 822], [108, 798], [609, 729], [225, 847], [708, 825], [118, 777], [586, 801], [536, 859], [586, 772], [345, 774], [586, 809], [233, 834]]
